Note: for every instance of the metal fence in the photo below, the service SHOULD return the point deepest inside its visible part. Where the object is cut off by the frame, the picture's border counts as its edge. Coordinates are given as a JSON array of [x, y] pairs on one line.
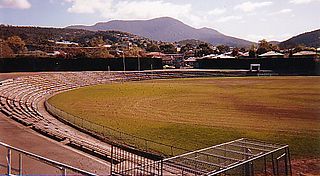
[[242, 157], [115, 136], [15, 159], [127, 163]]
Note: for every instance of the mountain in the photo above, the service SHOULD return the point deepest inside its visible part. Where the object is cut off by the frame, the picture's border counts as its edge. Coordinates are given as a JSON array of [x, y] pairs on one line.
[[274, 42], [309, 39], [167, 29]]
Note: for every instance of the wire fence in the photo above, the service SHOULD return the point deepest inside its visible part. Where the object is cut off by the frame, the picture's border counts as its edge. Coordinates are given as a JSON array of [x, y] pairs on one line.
[[116, 136]]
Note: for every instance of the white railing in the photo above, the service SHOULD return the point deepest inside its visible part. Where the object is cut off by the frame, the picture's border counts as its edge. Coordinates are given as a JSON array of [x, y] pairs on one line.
[[22, 153]]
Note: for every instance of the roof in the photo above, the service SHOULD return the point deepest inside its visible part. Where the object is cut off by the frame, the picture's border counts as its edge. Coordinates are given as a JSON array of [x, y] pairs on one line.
[[305, 53], [67, 43], [246, 54], [271, 53], [191, 59], [221, 56], [155, 54]]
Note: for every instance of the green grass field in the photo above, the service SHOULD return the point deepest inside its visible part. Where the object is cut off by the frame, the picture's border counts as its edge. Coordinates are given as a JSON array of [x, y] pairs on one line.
[[197, 113]]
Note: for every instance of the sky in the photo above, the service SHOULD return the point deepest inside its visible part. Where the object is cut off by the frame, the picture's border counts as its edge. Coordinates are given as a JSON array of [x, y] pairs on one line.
[[248, 19]]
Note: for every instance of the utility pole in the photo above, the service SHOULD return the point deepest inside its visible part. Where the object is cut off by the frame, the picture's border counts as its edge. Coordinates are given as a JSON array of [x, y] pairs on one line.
[[139, 66], [123, 62], [1, 47]]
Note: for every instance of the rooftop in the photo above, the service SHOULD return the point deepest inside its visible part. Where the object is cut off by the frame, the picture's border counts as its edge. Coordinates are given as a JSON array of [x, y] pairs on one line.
[[305, 53], [271, 53]]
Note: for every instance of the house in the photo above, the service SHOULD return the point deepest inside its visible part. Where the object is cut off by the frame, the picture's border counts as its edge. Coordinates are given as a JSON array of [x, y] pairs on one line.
[[67, 43], [271, 55], [156, 55], [190, 62], [221, 56], [245, 55], [305, 54]]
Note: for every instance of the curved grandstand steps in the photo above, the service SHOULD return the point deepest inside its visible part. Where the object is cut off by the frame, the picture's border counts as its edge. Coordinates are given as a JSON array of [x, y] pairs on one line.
[[20, 98]]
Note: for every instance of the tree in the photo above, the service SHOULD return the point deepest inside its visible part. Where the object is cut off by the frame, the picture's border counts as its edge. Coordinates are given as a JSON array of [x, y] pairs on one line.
[[16, 44], [223, 49], [168, 48], [265, 46], [235, 52], [152, 47], [5, 50], [252, 51], [203, 50], [97, 42], [186, 48], [136, 52]]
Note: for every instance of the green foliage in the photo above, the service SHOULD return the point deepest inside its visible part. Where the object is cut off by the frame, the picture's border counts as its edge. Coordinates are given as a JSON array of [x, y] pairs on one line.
[[97, 42], [203, 50], [168, 48], [152, 47], [5, 50], [16, 44], [223, 49], [264, 46]]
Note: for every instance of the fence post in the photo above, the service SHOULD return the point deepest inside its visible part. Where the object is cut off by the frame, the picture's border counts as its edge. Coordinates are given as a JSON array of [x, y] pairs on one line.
[[161, 169], [64, 171], [171, 150], [111, 167], [289, 160], [273, 167], [9, 162]]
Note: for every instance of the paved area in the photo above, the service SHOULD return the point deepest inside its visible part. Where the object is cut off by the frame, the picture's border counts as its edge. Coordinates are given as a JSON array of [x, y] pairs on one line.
[[22, 137]]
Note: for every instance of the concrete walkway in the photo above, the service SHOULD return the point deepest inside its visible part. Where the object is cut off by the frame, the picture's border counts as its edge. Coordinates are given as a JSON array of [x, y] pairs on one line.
[[24, 138]]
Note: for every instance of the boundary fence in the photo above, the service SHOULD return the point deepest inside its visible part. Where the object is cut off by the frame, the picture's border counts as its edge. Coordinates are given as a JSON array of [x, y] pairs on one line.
[[115, 137]]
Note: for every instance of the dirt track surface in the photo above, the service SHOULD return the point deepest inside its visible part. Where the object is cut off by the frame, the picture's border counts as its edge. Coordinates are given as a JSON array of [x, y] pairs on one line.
[[21, 137]]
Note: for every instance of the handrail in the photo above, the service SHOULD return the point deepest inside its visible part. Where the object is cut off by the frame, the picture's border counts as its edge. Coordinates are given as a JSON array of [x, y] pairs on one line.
[[48, 161]]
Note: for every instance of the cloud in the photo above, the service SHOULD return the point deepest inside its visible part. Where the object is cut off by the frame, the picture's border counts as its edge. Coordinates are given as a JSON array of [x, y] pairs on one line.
[[228, 18], [303, 1], [251, 6], [147, 9], [137, 9], [144, 9], [85, 6], [217, 11], [268, 37], [283, 11], [15, 4]]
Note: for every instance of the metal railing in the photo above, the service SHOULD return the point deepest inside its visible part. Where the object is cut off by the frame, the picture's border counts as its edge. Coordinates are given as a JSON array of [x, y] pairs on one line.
[[241, 157], [63, 168], [116, 136]]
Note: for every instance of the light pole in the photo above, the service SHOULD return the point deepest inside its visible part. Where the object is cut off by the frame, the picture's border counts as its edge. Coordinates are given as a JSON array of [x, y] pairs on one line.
[[139, 66], [124, 62], [1, 48]]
